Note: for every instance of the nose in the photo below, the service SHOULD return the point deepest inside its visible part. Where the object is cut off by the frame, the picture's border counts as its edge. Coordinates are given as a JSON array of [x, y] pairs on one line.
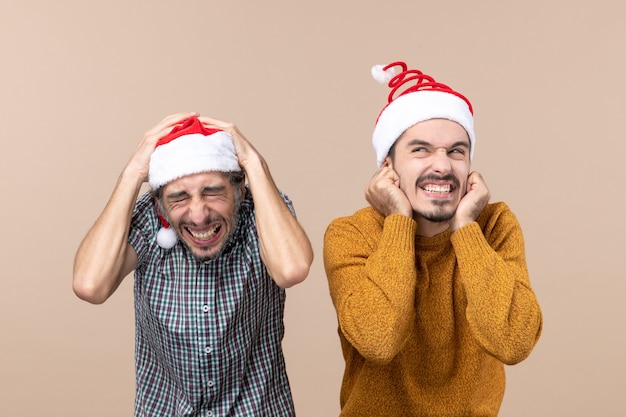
[[441, 161], [198, 211]]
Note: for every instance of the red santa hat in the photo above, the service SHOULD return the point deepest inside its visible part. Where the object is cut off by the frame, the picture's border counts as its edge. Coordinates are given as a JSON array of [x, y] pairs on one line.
[[416, 97], [190, 148]]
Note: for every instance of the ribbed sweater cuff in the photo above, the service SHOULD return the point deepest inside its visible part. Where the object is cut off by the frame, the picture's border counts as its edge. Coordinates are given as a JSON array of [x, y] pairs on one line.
[[469, 241], [399, 232]]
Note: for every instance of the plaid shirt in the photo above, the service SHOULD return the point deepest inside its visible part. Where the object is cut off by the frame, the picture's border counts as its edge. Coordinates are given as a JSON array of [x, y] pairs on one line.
[[208, 334]]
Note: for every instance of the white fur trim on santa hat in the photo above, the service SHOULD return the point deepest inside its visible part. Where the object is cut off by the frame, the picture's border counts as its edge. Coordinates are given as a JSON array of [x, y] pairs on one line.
[[412, 108], [192, 154]]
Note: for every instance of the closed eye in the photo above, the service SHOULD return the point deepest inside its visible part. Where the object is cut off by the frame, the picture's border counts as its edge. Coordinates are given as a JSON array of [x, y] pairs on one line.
[[212, 197], [214, 192], [177, 197]]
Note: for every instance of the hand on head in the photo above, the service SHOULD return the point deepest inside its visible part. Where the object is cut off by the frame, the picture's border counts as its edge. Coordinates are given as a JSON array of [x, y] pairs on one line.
[[244, 149], [140, 160]]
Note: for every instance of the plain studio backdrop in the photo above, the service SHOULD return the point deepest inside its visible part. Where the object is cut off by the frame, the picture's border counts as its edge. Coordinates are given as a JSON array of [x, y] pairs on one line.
[[81, 81]]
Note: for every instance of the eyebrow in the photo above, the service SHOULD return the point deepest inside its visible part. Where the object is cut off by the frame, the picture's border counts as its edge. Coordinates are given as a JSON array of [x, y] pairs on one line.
[[414, 142], [205, 190], [213, 189], [176, 195]]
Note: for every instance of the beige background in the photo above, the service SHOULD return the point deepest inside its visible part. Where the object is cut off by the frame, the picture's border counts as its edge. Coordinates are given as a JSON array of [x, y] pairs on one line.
[[81, 81]]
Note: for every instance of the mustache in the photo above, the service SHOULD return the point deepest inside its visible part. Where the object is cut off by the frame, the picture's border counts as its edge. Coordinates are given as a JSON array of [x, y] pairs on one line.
[[206, 222], [432, 177], [212, 217]]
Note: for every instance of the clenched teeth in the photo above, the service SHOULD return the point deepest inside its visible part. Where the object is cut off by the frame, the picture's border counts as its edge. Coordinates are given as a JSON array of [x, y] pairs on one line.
[[434, 188], [205, 235]]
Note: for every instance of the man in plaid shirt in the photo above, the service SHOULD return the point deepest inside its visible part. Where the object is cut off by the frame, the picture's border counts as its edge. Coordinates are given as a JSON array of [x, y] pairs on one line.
[[213, 245]]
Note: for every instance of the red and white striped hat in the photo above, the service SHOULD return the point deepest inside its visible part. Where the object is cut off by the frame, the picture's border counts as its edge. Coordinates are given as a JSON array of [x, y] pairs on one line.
[[421, 98]]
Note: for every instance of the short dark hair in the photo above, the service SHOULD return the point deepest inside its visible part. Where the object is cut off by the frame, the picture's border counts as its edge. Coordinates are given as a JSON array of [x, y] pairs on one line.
[[392, 151]]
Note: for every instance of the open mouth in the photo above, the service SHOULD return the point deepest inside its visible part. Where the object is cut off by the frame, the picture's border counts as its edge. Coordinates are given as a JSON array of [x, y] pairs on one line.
[[441, 189], [206, 234], [437, 188]]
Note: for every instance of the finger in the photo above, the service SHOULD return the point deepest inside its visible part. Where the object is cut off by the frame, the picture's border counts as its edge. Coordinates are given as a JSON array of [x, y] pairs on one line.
[[177, 118], [166, 125], [473, 178], [390, 173], [211, 122], [380, 173]]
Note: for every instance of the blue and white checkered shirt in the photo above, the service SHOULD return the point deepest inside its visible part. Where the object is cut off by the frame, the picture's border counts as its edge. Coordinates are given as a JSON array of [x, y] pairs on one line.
[[208, 334]]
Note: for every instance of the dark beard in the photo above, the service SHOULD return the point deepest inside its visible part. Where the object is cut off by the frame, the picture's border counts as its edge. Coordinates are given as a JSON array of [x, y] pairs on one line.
[[229, 239], [438, 216]]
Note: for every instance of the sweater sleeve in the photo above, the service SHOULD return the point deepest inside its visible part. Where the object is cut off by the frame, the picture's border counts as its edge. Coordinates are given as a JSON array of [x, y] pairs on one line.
[[371, 274], [502, 309]]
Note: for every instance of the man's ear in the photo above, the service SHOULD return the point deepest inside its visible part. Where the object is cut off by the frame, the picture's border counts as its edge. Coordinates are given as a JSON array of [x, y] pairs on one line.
[[388, 162]]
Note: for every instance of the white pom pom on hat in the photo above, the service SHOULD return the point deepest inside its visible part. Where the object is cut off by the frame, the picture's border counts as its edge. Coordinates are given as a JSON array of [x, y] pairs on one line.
[[383, 75], [416, 97], [189, 148], [166, 237]]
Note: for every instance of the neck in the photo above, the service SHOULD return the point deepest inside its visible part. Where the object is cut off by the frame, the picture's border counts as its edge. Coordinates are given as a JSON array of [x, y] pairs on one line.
[[426, 228]]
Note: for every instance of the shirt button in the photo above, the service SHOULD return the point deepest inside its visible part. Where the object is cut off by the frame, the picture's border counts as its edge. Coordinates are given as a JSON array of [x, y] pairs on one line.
[[205, 308], [209, 413], [208, 349], [210, 383]]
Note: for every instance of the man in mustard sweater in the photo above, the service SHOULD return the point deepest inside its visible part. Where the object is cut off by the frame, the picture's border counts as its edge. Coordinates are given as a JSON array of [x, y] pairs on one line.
[[430, 282]]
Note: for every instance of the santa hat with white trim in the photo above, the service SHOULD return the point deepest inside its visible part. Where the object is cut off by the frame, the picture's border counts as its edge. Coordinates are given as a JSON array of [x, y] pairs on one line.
[[190, 148], [421, 98]]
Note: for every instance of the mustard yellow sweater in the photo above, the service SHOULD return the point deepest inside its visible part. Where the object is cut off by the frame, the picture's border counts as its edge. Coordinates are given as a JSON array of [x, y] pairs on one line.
[[427, 324]]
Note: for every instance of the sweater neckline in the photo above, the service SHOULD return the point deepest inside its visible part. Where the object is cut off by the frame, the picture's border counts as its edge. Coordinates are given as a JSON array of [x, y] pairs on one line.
[[437, 240]]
